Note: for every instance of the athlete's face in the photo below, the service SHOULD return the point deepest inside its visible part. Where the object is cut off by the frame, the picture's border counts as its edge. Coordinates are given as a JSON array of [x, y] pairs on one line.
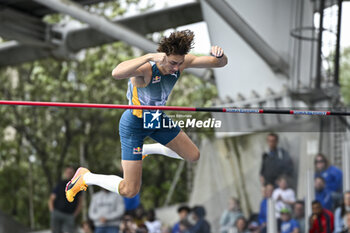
[[173, 63]]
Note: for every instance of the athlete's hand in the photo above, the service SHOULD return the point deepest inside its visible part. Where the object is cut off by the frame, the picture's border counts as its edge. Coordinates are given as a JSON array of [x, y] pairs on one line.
[[158, 57], [217, 52]]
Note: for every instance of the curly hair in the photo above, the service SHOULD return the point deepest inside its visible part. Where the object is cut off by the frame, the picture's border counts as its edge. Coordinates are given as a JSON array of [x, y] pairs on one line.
[[178, 43]]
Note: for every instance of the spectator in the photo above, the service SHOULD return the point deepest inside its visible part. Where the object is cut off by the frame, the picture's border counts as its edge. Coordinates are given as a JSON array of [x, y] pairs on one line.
[[240, 225], [139, 217], [321, 220], [200, 224], [299, 215], [284, 196], [267, 193], [347, 219], [341, 213], [322, 194], [106, 209], [153, 225], [332, 175], [63, 213], [131, 204], [253, 223], [275, 162], [166, 229], [183, 212], [142, 229], [253, 227], [230, 215], [288, 225], [128, 225], [184, 226]]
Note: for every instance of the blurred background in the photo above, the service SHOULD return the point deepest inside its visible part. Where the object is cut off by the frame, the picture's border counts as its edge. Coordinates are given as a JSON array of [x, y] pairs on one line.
[[282, 54]]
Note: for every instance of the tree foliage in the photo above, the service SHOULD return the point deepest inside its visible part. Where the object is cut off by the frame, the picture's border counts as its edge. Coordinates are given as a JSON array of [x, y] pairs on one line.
[[57, 137], [345, 75]]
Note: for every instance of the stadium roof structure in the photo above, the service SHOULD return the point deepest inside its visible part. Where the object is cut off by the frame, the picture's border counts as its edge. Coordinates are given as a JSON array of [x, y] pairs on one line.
[[30, 38], [36, 9]]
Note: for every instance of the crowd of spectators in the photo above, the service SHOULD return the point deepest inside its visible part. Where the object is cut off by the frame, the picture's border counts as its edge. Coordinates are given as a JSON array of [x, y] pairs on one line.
[[330, 209], [111, 213]]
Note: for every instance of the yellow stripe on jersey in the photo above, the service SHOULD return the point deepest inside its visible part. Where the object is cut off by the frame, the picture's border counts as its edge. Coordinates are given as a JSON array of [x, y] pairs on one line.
[[135, 100]]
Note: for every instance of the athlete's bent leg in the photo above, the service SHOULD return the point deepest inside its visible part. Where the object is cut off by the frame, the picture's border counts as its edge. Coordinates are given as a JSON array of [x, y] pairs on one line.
[[128, 187], [131, 184], [184, 147], [132, 135]]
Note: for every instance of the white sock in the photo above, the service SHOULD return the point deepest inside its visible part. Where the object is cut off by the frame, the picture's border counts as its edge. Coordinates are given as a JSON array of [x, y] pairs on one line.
[[109, 182], [158, 148]]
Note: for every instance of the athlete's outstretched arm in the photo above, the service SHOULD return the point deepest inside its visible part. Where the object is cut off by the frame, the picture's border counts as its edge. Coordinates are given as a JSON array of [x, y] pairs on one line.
[[217, 59], [134, 67]]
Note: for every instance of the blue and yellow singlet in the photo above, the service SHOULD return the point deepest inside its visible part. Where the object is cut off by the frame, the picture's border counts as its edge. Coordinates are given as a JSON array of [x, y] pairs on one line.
[[156, 93]]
